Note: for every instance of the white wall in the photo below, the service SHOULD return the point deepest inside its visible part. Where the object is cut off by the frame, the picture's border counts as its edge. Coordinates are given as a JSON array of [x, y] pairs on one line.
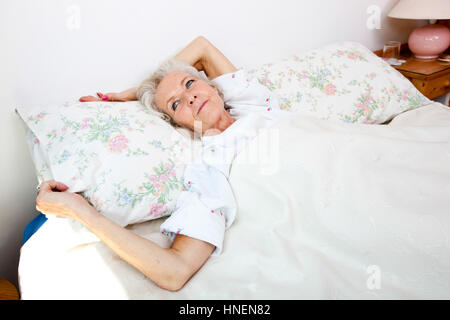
[[56, 50]]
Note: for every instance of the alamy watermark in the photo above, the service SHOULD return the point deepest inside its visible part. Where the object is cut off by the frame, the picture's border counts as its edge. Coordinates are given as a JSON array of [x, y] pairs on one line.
[[374, 19], [73, 20], [374, 280], [258, 148]]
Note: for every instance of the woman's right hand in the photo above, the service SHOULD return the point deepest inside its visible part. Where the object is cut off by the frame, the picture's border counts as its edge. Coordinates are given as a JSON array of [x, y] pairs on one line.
[[53, 199]]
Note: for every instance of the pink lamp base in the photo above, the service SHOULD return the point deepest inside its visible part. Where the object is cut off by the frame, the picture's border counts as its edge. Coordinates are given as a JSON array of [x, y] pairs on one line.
[[428, 42], [426, 57]]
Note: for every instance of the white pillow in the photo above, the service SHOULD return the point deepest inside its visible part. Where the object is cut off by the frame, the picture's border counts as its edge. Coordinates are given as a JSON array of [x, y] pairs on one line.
[[126, 161], [340, 81]]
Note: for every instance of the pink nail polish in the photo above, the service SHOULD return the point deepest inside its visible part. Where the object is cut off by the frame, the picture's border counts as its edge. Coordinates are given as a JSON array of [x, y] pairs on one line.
[[105, 98]]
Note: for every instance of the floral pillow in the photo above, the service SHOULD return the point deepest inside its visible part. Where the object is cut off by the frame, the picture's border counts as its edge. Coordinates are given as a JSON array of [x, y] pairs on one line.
[[122, 158], [340, 81]]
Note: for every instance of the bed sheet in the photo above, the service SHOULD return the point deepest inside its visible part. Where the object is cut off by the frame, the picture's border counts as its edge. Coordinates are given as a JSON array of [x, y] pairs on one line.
[[331, 211]]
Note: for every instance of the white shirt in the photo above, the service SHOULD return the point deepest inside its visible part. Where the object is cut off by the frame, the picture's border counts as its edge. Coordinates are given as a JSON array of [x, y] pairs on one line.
[[208, 207]]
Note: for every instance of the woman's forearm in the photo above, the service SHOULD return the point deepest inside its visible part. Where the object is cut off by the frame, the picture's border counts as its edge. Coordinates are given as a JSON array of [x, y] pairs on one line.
[[161, 265], [194, 53], [204, 56]]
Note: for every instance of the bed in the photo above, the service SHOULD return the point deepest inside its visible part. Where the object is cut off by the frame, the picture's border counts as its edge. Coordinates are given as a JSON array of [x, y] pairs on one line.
[[326, 210]]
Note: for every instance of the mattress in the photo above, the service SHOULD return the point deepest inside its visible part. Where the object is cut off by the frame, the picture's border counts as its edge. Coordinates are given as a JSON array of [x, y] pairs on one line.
[[332, 211]]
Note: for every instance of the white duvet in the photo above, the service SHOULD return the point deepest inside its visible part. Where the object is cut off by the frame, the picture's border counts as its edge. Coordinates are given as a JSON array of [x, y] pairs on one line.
[[338, 211]]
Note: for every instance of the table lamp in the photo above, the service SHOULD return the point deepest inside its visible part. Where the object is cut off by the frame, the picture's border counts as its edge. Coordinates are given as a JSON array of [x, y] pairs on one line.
[[426, 42]]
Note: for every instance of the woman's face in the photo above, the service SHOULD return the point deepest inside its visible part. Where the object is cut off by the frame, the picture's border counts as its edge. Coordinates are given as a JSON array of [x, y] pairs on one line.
[[186, 99]]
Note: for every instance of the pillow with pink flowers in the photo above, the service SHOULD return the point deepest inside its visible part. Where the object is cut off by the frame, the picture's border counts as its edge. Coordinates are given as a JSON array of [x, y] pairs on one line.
[[122, 158], [341, 81]]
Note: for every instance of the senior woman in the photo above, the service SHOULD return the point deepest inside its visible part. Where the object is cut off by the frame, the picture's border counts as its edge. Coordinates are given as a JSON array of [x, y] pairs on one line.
[[201, 90]]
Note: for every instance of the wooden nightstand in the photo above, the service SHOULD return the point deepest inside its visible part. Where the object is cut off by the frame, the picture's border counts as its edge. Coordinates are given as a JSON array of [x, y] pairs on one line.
[[431, 78], [8, 291]]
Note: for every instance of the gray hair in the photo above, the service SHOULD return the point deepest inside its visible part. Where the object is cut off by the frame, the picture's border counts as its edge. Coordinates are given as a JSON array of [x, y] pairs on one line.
[[147, 89]]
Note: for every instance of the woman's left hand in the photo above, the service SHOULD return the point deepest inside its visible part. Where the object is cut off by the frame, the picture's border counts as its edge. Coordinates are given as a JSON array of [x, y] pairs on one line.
[[53, 200]]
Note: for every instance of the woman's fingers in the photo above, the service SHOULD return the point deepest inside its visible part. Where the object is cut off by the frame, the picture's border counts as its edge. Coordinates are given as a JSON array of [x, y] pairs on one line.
[[88, 99], [106, 97], [49, 185], [45, 199], [111, 96]]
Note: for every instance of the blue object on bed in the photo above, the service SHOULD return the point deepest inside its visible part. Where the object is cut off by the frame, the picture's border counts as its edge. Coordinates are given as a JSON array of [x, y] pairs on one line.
[[33, 226]]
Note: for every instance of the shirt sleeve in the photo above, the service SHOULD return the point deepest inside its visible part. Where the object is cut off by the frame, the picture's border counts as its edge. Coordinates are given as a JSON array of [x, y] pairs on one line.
[[241, 93], [205, 209]]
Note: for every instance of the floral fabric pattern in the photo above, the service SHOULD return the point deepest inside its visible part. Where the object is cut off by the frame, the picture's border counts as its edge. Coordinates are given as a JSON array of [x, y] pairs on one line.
[[125, 161], [341, 81]]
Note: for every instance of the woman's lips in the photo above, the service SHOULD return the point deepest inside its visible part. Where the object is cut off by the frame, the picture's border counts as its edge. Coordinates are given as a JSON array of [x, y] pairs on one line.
[[201, 107]]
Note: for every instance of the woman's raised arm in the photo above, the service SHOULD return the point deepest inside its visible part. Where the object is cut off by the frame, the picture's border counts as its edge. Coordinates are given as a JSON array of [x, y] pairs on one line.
[[200, 53], [204, 56]]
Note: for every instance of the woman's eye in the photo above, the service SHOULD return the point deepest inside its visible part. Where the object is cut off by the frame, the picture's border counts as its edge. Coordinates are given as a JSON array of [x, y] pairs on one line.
[[175, 105], [189, 83]]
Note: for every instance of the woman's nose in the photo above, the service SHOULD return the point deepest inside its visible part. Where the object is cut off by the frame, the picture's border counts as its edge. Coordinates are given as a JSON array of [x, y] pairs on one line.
[[192, 99]]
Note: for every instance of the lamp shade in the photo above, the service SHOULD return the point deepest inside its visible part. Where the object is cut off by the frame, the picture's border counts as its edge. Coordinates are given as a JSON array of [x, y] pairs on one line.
[[421, 9]]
